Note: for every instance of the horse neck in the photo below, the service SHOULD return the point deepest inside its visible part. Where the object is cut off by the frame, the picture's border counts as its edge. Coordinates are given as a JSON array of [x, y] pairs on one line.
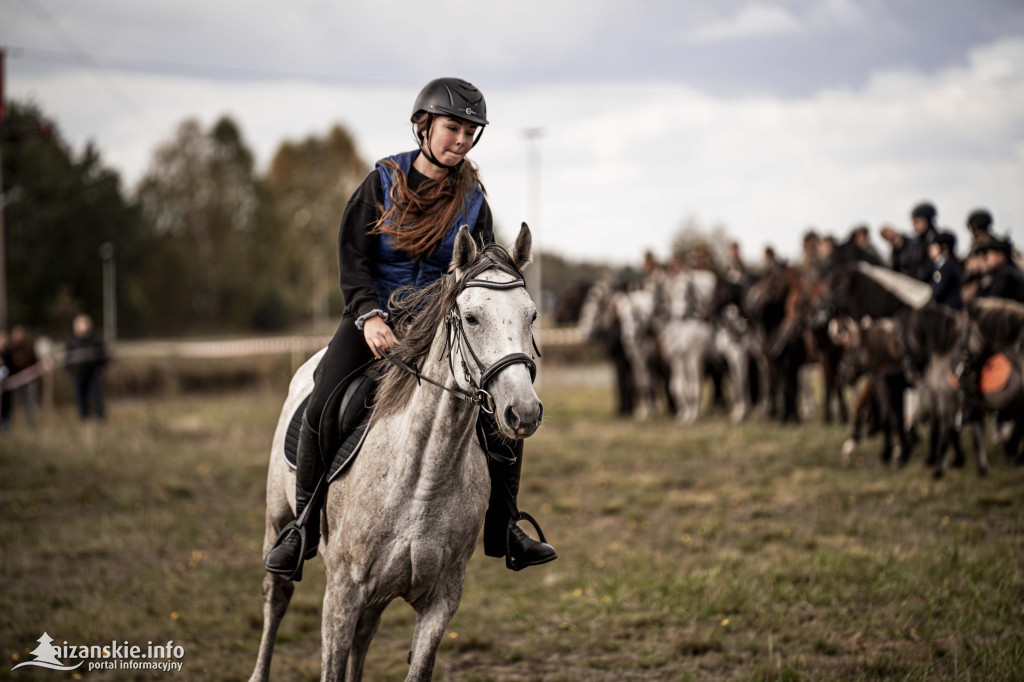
[[441, 423]]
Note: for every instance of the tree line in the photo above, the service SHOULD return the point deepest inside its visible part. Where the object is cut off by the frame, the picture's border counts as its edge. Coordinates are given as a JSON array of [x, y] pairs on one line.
[[204, 244]]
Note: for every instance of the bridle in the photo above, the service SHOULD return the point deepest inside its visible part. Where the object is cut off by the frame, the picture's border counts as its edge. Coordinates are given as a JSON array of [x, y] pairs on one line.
[[456, 340]]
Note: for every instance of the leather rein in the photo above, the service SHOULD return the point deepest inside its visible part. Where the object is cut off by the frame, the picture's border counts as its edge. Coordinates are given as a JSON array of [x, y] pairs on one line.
[[456, 339]]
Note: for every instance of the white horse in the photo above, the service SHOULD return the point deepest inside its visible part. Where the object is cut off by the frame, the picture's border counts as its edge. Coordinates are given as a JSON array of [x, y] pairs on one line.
[[404, 519], [688, 340]]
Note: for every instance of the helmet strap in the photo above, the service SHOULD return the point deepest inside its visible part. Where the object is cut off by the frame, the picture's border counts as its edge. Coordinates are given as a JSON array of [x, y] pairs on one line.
[[424, 145]]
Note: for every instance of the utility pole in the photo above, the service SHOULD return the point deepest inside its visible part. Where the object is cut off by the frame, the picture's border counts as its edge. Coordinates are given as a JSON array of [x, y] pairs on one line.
[[109, 292], [3, 237], [533, 273]]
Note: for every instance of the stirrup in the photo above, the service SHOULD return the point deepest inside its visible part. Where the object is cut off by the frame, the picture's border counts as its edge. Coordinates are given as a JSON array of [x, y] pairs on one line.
[[295, 574], [520, 565]]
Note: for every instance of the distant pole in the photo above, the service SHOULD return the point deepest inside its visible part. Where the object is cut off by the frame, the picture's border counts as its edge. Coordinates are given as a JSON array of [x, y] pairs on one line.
[[533, 273], [109, 293], [3, 237]]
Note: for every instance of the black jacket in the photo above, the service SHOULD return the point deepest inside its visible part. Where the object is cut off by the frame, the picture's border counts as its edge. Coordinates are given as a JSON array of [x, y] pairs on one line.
[[85, 356], [916, 261], [1007, 281], [947, 285], [357, 248]]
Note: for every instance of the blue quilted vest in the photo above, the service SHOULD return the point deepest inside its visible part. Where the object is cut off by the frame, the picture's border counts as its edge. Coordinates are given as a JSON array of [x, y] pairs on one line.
[[394, 267]]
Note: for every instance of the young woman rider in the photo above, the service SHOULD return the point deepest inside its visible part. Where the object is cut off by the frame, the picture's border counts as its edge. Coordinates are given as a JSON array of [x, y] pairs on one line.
[[398, 229]]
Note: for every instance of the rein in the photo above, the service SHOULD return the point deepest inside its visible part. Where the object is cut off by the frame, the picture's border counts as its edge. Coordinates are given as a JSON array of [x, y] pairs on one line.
[[455, 337]]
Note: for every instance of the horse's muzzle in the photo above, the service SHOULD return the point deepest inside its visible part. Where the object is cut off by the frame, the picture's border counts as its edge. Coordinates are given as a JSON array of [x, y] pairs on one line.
[[522, 419]]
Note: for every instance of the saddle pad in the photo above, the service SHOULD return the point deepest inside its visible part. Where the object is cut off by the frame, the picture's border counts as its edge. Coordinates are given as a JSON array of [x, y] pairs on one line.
[[342, 456], [995, 375], [291, 437]]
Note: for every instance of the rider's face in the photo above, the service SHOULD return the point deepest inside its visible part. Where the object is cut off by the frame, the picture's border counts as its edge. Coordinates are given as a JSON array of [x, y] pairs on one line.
[[451, 139]]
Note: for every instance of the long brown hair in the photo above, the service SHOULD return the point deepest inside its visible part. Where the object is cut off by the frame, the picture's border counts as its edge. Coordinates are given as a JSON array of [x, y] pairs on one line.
[[417, 221]]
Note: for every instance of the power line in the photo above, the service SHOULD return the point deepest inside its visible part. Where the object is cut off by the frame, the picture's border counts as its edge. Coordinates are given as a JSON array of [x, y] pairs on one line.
[[80, 55], [143, 64]]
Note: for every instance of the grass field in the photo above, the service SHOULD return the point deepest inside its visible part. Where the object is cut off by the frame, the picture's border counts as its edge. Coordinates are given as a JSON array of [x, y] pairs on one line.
[[714, 552]]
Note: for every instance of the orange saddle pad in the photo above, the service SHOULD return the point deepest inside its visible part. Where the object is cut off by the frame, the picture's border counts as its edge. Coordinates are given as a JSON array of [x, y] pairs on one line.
[[995, 374]]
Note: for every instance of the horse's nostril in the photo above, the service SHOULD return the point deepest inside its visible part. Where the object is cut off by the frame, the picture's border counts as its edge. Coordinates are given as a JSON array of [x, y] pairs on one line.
[[540, 412], [511, 417]]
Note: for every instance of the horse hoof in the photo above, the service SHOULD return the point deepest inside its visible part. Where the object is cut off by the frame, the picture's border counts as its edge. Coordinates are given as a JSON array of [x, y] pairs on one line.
[[983, 471], [937, 474], [849, 447]]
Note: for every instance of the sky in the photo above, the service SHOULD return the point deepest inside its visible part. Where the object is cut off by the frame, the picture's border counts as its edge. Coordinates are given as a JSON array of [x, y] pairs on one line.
[[766, 118]]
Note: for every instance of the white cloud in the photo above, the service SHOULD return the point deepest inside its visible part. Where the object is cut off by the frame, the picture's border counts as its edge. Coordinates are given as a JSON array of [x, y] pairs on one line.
[[624, 163], [754, 20]]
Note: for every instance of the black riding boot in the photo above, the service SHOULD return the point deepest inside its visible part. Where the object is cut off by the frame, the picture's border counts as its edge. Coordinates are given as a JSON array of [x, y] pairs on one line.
[[286, 557], [502, 536]]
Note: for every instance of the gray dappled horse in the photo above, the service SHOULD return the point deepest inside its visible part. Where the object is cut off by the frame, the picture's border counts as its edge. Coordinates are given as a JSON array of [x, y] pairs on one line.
[[403, 520], [689, 339]]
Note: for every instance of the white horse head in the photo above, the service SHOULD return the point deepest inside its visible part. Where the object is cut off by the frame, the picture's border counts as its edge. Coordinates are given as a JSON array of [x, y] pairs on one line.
[[496, 316]]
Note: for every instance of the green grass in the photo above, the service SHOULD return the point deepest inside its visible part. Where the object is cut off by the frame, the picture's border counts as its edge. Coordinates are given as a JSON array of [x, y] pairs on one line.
[[711, 552]]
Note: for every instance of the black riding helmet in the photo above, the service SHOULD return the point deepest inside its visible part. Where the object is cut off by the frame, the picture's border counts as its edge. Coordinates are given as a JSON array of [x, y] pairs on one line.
[[450, 97]]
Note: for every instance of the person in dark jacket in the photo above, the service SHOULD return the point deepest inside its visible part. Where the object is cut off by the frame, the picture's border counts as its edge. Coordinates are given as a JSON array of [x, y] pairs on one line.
[[946, 277], [1005, 279], [918, 263], [399, 229], [20, 359], [85, 357]]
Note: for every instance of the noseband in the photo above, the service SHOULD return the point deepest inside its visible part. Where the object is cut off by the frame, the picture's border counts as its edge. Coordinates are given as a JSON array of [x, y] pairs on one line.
[[456, 339]]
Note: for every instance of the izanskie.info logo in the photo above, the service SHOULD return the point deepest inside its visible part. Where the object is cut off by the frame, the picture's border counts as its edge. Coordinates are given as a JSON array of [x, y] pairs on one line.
[[113, 656]]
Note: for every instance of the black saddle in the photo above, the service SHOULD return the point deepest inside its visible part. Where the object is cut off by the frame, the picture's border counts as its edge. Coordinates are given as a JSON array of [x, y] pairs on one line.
[[344, 420]]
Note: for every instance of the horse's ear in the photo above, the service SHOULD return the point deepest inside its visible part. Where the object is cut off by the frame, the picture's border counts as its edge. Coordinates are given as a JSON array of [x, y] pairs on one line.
[[521, 249], [465, 251]]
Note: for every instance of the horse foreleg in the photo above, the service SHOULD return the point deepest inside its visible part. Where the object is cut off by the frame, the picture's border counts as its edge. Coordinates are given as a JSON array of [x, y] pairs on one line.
[[691, 378], [677, 384], [366, 628], [901, 424], [978, 440], [941, 443], [341, 614], [432, 618], [737, 361]]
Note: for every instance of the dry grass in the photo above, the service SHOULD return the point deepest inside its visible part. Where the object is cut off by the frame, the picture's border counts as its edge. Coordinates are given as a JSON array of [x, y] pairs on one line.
[[713, 552]]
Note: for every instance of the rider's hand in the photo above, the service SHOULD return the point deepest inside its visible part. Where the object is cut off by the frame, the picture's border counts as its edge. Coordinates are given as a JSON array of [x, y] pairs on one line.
[[379, 336]]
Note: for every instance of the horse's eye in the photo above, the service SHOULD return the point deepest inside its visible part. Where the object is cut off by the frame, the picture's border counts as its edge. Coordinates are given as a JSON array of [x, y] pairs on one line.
[[534, 318], [471, 319]]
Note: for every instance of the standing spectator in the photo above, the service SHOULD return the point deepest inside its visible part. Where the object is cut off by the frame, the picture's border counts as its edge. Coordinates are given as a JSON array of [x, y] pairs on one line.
[[20, 358], [918, 263], [946, 279], [86, 357], [1006, 279]]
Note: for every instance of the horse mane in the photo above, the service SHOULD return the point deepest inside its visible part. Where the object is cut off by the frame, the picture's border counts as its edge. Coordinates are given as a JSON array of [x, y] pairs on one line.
[[417, 314], [934, 328], [1000, 321], [858, 295]]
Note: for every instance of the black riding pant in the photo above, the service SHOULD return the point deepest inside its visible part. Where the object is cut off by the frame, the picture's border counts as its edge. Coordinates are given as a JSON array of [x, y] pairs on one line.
[[345, 354]]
